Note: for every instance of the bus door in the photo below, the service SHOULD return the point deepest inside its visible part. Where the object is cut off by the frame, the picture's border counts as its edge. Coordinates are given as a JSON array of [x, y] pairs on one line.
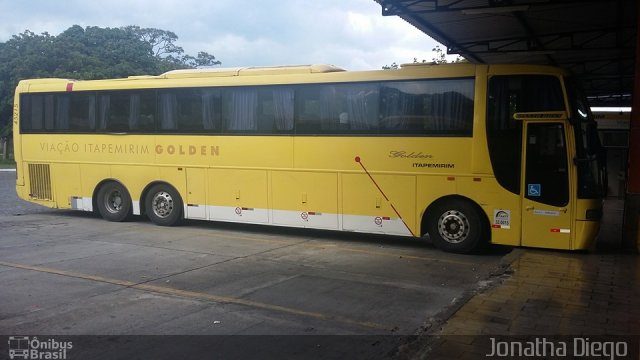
[[546, 202]]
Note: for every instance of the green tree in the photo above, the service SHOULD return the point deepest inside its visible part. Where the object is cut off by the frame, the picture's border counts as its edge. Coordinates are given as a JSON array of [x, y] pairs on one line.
[[89, 53], [439, 58], [393, 66], [167, 53]]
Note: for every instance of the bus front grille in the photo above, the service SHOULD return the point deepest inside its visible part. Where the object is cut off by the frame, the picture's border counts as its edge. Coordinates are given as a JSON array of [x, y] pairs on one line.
[[40, 182]]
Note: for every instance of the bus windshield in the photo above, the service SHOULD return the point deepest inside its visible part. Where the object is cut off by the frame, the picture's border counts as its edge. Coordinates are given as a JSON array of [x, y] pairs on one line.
[[589, 153]]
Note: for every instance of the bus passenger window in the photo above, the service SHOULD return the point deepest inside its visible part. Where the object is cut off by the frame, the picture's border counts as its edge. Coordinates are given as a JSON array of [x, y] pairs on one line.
[[62, 112], [276, 110], [36, 113], [211, 109], [82, 112], [361, 108], [426, 107], [337, 109], [113, 112], [168, 105], [143, 111], [189, 110], [239, 110], [307, 110]]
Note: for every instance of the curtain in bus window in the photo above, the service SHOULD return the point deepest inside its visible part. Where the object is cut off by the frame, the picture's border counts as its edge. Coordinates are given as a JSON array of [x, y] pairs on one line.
[[362, 107], [428, 107], [168, 111], [242, 111], [283, 108], [209, 110], [62, 112], [396, 106], [92, 113], [134, 111], [451, 106], [103, 111]]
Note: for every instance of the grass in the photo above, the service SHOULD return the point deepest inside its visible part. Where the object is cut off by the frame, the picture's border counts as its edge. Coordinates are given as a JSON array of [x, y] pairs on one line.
[[7, 164]]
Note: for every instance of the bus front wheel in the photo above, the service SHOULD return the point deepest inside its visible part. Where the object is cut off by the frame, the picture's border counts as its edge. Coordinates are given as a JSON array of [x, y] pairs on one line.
[[456, 225], [163, 205], [114, 202]]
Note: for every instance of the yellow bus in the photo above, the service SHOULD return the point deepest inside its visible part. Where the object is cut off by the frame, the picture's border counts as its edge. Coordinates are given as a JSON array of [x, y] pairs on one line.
[[467, 154]]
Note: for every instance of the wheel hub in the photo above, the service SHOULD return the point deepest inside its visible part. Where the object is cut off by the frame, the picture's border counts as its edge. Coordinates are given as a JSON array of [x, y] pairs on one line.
[[113, 202], [162, 204], [453, 226]]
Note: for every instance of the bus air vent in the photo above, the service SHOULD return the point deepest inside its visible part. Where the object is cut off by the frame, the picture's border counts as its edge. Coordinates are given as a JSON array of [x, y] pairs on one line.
[[40, 182]]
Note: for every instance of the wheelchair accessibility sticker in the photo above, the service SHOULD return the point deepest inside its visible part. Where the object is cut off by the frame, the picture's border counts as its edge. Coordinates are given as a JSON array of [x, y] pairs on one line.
[[533, 190]]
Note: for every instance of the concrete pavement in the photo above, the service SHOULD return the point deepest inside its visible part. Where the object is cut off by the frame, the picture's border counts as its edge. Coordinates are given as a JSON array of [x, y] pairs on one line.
[[545, 293], [70, 273]]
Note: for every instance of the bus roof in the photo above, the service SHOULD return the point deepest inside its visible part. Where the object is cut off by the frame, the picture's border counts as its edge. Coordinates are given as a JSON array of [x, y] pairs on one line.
[[255, 70], [288, 74]]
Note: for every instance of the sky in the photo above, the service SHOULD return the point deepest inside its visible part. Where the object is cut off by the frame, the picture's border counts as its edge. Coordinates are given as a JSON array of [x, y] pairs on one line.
[[351, 34]]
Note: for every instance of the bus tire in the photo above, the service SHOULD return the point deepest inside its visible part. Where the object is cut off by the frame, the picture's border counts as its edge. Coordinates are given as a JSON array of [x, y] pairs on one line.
[[114, 202], [163, 205], [456, 225]]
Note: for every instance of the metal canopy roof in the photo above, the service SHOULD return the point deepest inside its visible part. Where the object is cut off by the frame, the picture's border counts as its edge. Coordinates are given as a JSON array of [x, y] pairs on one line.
[[595, 39]]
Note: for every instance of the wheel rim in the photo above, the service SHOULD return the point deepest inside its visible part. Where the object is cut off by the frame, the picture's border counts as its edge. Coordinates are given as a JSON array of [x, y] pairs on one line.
[[113, 201], [453, 226], [162, 204]]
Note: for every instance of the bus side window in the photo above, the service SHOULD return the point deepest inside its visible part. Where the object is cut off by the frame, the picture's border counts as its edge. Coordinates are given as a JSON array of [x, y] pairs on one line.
[[330, 107], [113, 112], [239, 110], [82, 112], [189, 110], [146, 111], [168, 110], [211, 109], [427, 107], [278, 109], [33, 112], [266, 118], [63, 103], [361, 108], [307, 110]]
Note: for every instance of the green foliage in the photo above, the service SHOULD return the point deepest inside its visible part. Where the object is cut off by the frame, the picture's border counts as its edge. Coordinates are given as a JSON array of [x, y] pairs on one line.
[[439, 58], [393, 66], [5, 130], [89, 53]]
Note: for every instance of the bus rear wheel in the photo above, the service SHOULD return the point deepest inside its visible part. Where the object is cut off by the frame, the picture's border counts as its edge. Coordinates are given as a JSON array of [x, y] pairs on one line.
[[163, 205], [114, 202], [456, 225]]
